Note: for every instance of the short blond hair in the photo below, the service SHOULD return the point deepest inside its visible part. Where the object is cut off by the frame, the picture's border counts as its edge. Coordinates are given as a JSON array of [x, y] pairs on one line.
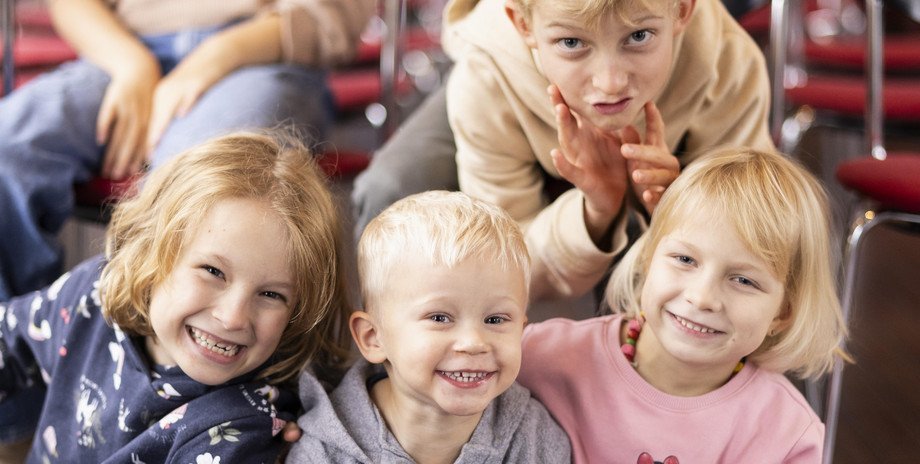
[[443, 227], [780, 211], [148, 232], [592, 11]]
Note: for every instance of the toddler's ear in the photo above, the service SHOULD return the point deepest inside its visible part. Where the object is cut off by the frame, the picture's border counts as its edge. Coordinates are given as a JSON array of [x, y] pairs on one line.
[[364, 331]]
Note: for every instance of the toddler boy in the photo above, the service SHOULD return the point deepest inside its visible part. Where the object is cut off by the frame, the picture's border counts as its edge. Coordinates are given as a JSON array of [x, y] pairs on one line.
[[444, 280]]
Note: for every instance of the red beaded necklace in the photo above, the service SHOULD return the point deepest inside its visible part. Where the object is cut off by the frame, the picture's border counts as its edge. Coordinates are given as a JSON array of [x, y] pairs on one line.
[[634, 328]]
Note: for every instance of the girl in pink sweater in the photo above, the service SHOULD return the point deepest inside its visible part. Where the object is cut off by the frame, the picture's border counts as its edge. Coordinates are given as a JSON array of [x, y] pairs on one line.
[[731, 287]]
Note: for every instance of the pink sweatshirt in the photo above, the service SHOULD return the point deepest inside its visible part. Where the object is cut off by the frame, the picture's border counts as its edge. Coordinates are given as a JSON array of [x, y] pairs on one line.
[[576, 369]]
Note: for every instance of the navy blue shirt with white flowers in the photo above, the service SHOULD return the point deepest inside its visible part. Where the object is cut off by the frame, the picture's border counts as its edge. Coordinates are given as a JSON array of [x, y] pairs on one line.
[[106, 403]]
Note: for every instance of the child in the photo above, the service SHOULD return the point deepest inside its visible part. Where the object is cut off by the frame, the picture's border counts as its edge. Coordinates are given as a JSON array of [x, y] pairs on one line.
[[685, 65], [155, 78], [731, 287], [221, 281], [444, 281]]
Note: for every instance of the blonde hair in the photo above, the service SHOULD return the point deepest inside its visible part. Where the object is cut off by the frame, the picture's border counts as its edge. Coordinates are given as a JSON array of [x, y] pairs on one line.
[[780, 211], [591, 12], [148, 232], [443, 227]]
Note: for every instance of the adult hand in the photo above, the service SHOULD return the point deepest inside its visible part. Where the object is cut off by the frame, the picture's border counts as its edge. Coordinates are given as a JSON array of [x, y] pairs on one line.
[[651, 165], [123, 118], [590, 159], [176, 94]]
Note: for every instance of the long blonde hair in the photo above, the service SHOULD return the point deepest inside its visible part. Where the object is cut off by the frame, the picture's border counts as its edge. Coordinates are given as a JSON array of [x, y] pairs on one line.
[[148, 231], [780, 211]]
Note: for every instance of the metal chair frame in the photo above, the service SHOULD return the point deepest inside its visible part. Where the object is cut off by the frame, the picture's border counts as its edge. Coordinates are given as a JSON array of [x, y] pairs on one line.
[[7, 12], [874, 133]]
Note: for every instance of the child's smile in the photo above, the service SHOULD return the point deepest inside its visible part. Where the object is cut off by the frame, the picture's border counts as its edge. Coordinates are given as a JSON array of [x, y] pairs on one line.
[[214, 345], [221, 311], [451, 336], [708, 300]]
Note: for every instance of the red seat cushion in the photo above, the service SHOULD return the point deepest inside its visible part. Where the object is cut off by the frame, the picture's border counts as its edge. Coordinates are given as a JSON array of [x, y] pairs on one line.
[[343, 163], [98, 190], [41, 50], [901, 52], [354, 89], [847, 95], [894, 182]]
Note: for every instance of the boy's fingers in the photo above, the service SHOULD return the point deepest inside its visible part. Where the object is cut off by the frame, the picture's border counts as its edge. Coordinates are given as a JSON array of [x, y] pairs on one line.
[[566, 169], [566, 123], [654, 177], [654, 125], [651, 155], [630, 134]]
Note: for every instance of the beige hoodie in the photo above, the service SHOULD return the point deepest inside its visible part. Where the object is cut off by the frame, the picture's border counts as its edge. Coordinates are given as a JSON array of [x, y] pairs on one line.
[[504, 127]]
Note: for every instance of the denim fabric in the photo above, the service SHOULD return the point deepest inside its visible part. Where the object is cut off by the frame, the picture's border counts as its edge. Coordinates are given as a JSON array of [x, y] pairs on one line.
[[47, 142]]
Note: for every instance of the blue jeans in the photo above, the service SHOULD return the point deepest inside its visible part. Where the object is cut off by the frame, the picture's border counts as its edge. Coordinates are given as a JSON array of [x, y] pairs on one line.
[[48, 142]]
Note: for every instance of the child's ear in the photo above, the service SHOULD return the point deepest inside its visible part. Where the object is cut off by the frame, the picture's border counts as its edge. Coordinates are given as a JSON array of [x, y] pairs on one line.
[[684, 13], [783, 320], [364, 331], [519, 20]]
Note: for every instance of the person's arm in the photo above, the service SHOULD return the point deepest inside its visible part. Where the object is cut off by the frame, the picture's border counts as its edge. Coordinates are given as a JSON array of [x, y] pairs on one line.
[[737, 104], [317, 33], [32, 330], [496, 162], [251, 42], [322, 33], [97, 35]]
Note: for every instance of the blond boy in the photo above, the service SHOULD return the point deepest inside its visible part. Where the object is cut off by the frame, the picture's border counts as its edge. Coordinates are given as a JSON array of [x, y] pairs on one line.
[[444, 281], [639, 89]]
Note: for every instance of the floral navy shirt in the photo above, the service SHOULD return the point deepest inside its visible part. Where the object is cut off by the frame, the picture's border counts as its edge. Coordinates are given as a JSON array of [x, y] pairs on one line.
[[106, 403]]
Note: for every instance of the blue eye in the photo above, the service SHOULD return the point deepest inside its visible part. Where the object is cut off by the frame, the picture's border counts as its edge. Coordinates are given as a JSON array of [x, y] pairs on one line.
[[213, 271], [495, 320], [274, 296], [746, 282], [640, 36], [570, 43], [684, 259], [440, 318]]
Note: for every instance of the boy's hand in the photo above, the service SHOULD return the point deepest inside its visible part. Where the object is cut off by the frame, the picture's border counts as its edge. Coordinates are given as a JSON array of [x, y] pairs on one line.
[[590, 159], [651, 165], [123, 118]]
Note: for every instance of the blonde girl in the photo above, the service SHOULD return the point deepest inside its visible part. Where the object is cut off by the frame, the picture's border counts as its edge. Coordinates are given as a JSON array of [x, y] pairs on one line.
[[731, 287], [221, 282]]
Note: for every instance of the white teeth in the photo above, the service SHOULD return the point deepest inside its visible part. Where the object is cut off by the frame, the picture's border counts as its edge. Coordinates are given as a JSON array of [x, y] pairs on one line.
[[220, 348], [693, 326], [465, 376]]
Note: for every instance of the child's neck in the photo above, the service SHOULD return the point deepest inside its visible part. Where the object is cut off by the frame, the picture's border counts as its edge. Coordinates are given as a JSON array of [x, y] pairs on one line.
[[428, 437], [671, 376]]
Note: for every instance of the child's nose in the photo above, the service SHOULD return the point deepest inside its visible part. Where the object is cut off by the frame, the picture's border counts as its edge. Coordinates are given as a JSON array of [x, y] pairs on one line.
[[703, 293], [612, 78], [471, 341], [232, 311]]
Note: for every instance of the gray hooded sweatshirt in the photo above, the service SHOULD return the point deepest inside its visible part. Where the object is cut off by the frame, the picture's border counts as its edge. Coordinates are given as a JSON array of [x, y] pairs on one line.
[[346, 427]]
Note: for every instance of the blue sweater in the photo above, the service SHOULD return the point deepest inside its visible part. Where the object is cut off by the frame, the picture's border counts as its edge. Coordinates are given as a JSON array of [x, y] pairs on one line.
[[106, 403]]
